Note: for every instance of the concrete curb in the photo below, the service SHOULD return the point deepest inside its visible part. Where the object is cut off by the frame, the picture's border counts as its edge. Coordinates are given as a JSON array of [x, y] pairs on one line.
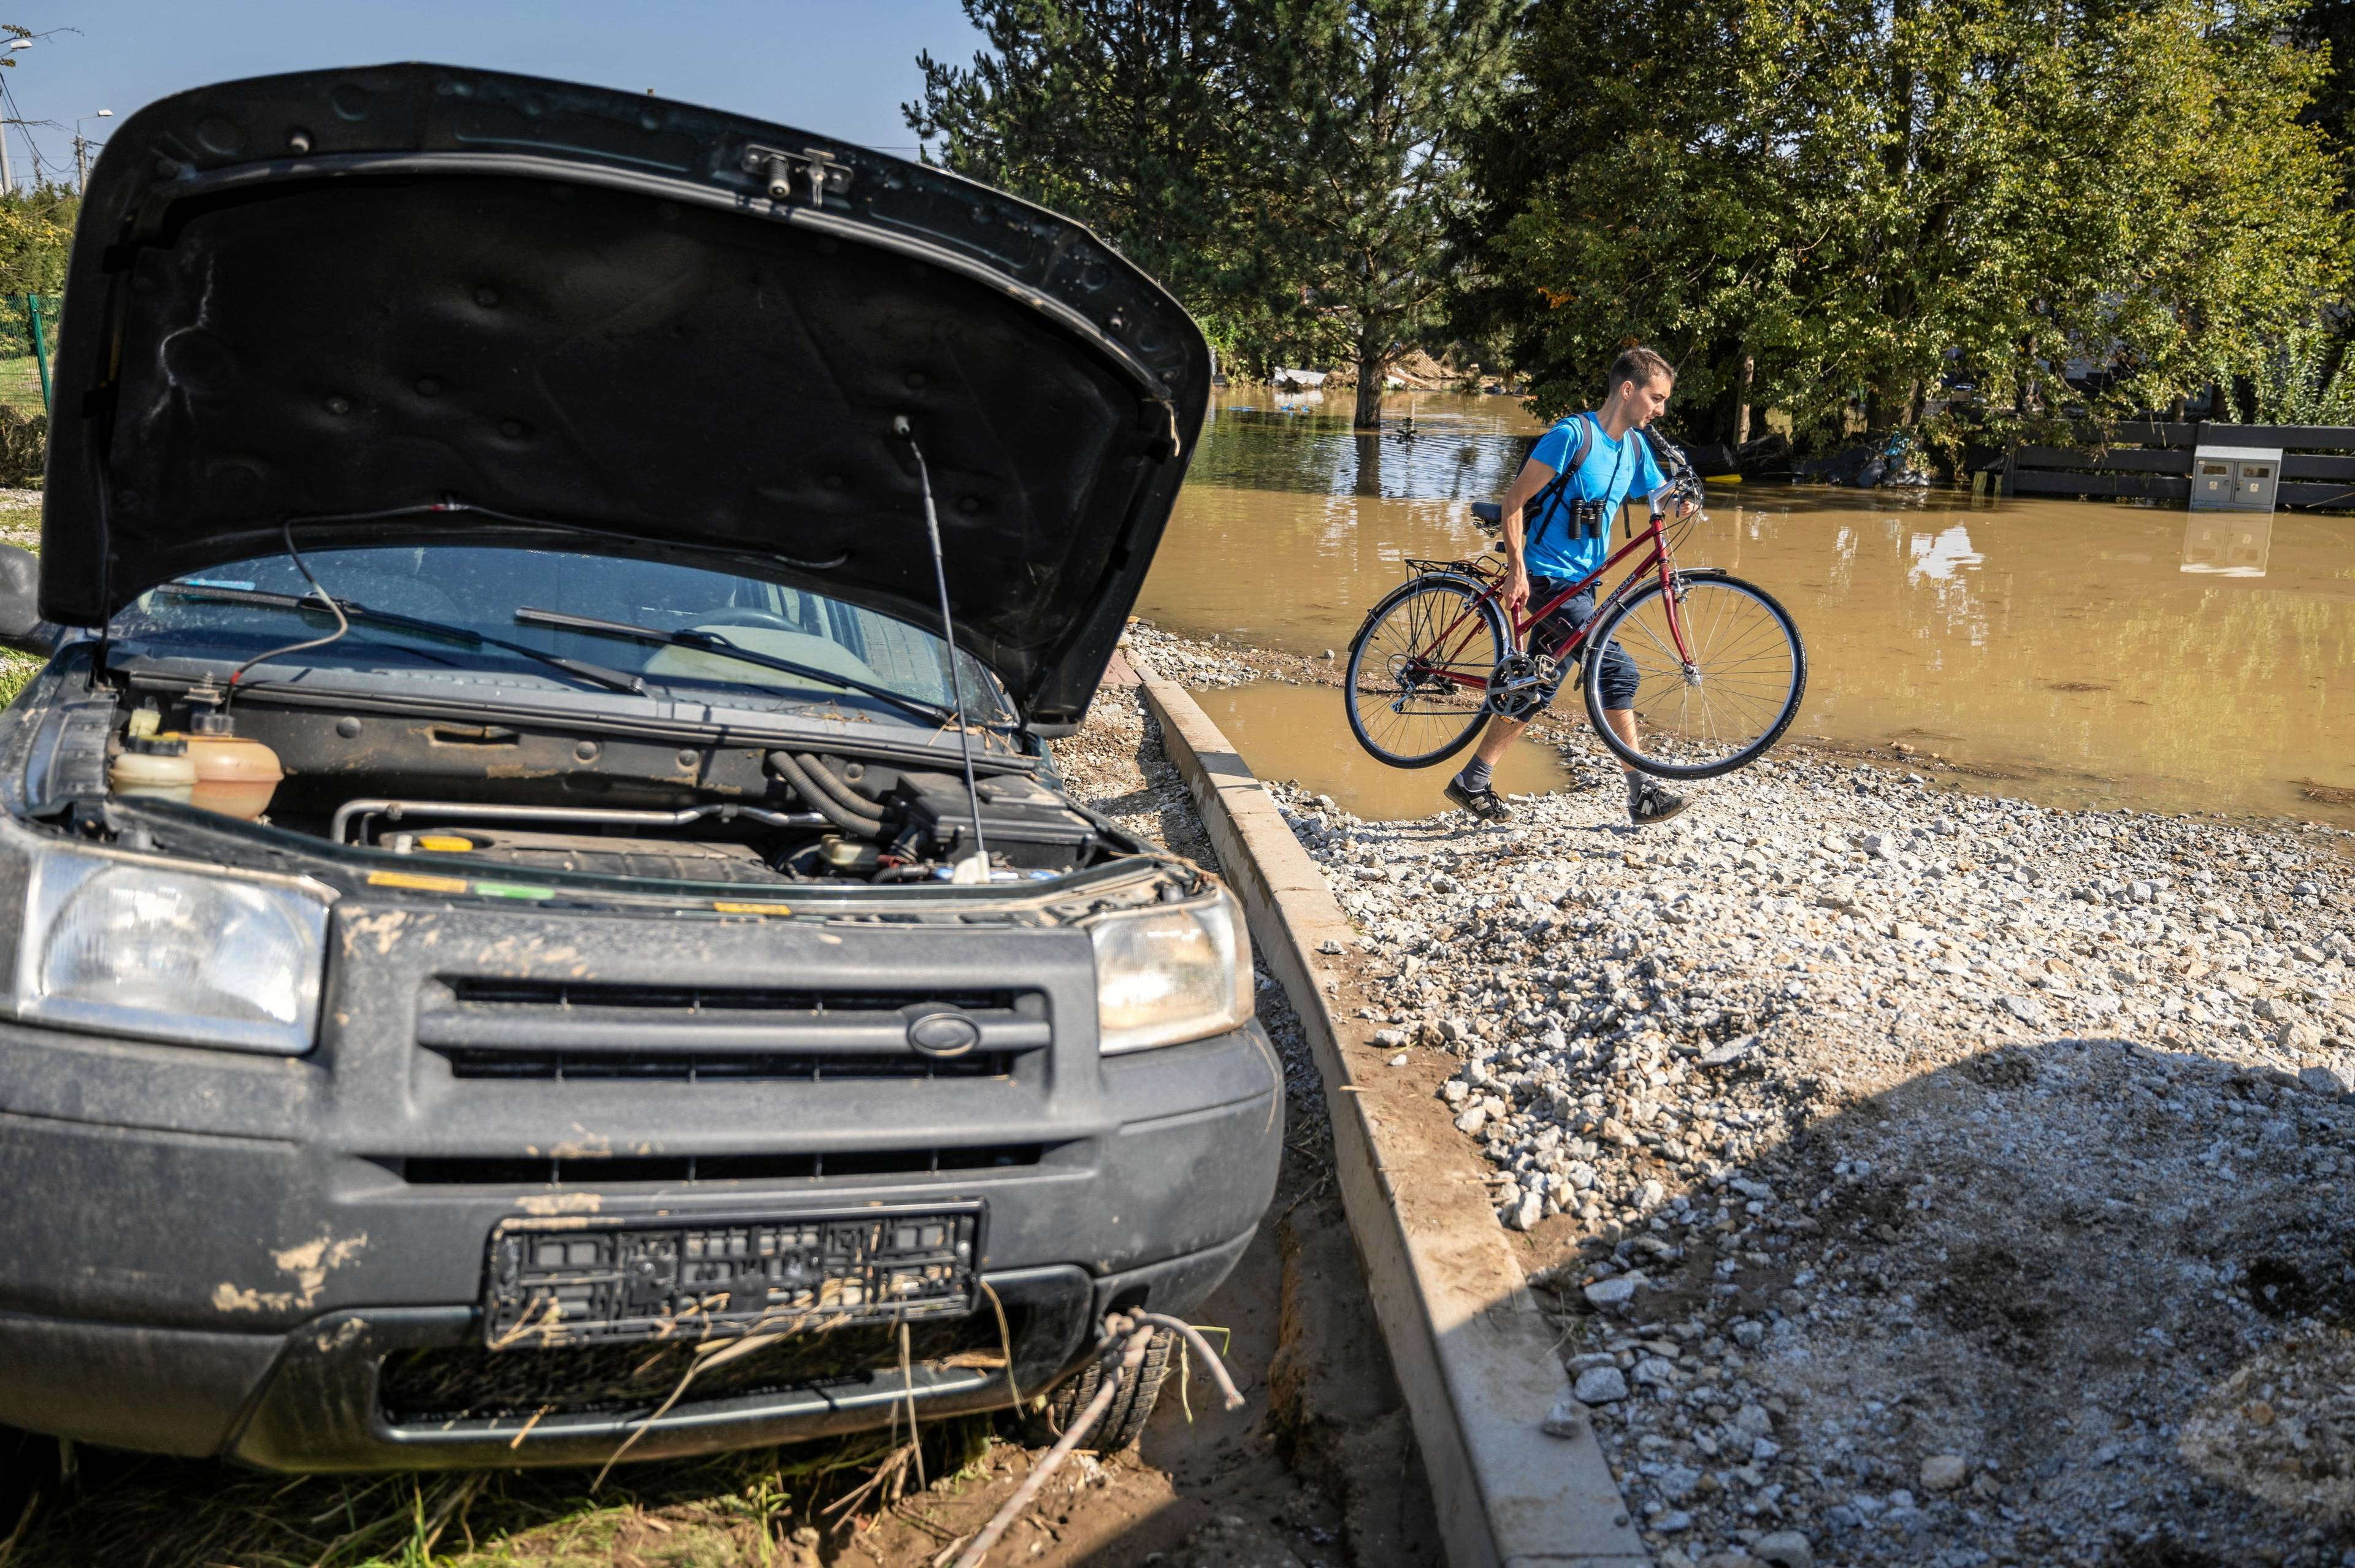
[[1474, 1359]]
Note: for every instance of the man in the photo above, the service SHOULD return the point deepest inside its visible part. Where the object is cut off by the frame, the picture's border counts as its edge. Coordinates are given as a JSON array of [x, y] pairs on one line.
[[1572, 539]]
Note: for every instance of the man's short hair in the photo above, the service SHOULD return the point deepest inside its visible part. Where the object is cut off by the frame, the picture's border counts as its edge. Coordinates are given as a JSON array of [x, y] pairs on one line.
[[1641, 365]]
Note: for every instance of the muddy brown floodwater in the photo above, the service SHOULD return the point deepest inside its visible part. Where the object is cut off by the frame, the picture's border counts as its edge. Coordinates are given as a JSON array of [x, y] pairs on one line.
[[2073, 653]]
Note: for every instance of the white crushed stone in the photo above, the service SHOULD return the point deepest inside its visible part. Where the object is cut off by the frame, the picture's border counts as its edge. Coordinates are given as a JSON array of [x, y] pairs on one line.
[[1946, 1178]]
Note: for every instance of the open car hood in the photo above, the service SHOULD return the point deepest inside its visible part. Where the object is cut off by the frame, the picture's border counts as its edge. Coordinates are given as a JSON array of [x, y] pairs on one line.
[[427, 304]]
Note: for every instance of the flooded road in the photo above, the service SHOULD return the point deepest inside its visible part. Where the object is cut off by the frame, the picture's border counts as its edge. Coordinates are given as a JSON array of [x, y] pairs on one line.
[[2075, 653]]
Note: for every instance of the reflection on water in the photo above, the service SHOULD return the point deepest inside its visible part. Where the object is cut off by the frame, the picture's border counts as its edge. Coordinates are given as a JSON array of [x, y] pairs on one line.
[[1937, 557], [1287, 732], [2079, 652], [2228, 544], [1462, 451]]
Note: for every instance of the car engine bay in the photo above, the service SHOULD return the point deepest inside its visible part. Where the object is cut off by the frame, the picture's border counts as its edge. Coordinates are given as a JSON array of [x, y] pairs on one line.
[[591, 796]]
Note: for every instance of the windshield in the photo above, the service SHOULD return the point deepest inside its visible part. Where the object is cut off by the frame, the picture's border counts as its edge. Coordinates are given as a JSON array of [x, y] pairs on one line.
[[479, 588]]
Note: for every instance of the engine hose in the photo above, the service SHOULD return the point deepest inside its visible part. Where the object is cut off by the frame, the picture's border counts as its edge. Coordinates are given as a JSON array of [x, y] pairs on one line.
[[849, 799], [782, 765]]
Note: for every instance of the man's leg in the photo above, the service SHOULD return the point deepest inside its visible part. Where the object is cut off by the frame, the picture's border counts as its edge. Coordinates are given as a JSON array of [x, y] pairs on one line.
[[1470, 788], [1502, 732], [1622, 724], [1649, 800]]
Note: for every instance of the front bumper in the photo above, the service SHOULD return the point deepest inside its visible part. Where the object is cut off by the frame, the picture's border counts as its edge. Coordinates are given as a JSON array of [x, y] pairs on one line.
[[313, 1399], [215, 1255]]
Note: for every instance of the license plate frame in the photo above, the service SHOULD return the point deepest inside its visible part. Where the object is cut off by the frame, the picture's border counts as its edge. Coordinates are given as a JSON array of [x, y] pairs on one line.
[[602, 1279]]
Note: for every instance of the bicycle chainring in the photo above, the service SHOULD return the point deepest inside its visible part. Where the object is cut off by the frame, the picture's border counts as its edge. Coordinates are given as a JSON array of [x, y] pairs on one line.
[[1520, 684]]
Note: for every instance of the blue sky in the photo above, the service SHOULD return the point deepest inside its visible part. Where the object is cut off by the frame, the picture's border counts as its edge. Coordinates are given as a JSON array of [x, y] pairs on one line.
[[842, 68]]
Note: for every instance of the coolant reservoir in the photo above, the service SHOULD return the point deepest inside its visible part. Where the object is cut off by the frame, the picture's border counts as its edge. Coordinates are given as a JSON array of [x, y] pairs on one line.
[[155, 766], [235, 776]]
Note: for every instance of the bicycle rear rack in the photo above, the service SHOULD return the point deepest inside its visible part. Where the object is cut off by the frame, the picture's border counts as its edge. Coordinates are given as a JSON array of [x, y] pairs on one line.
[[1485, 568]]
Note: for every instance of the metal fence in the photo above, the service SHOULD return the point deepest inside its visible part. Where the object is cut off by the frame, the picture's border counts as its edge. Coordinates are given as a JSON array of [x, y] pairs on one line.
[[27, 338], [2152, 461]]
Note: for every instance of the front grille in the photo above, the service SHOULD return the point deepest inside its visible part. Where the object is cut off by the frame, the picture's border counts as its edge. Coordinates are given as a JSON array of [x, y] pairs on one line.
[[757, 1067], [506, 992], [468, 1171], [473, 1383], [493, 1027]]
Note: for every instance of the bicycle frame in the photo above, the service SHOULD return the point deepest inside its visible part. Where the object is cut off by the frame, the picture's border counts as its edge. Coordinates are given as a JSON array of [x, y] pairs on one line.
[[1652, 539]]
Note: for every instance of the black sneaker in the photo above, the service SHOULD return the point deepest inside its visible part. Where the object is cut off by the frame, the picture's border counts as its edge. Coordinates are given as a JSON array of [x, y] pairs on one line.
[[1649, 801], [1482, 803]]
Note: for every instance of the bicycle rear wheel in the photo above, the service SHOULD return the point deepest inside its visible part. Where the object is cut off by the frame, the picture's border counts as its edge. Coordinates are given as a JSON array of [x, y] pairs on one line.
[[1716, 705], [1418, 671]]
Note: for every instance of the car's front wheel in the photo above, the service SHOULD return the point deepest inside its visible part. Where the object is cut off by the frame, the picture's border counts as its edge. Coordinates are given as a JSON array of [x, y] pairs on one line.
[[1045, 1421]]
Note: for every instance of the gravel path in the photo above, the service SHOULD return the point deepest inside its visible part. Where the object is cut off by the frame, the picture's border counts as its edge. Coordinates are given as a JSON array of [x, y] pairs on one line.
[[1921, 1177], [1320, 1469]]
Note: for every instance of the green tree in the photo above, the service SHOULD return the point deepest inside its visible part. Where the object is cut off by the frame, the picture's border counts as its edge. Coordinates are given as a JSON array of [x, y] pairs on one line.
[[1287, 166], [1360, 111], [36, 232], [1624, 193], [1811, 201], [1118, 113]]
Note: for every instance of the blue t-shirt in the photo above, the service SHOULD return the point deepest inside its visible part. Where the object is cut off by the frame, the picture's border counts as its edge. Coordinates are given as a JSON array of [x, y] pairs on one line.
[[1613, 471]]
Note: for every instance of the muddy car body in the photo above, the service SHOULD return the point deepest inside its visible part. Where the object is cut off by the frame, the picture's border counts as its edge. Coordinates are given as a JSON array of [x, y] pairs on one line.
[[613, 970]]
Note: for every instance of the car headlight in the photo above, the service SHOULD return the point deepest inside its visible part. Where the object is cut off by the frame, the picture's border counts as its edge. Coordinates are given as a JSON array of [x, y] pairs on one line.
[[134, 947], [1170, 973]]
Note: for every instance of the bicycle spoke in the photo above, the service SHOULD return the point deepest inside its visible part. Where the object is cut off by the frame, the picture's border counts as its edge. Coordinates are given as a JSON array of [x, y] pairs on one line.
[[1402, 703], [1718, 693]]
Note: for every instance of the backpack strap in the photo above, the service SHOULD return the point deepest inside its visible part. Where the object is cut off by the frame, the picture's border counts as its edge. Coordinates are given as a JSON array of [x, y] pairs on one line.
[[1540, 505]]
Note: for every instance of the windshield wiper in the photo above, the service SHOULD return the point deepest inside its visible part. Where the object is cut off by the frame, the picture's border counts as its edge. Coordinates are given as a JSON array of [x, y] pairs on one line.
[[713, 642], [595, 673]]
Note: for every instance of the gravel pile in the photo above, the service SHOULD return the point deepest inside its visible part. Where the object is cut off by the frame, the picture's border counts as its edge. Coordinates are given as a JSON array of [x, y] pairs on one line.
[[1204, 666], [1921, 1178]]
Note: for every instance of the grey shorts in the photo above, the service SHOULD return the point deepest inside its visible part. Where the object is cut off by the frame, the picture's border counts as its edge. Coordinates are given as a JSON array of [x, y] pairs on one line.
[[1551, 634]]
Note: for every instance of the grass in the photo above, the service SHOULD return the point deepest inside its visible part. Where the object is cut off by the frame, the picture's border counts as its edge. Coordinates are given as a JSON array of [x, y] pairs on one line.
[[129, 1511], [17, 671], [20, 524]]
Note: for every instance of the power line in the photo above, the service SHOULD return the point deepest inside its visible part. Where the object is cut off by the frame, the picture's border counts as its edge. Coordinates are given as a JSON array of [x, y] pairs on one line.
[[15, 117]]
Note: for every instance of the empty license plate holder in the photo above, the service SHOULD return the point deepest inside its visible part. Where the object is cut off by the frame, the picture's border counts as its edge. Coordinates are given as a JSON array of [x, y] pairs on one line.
[[599, 1279]]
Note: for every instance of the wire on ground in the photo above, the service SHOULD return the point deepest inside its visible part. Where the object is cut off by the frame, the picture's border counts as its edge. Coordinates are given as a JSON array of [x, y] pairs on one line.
[[1127, 1335]]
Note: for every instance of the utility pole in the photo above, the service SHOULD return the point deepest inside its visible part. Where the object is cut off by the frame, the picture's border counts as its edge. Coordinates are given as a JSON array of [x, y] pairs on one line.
[[82, 146], [7, 178], [17, 45]]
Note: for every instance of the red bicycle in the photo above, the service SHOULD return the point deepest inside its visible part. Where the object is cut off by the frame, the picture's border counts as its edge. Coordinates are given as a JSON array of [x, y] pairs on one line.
[[1720, 667]]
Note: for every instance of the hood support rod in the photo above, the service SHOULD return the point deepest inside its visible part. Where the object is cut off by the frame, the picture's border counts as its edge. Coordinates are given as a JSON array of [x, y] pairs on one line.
[[905, 432]]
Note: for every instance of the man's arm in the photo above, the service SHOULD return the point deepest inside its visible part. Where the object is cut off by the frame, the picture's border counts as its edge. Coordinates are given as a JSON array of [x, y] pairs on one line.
[[1533, 477]]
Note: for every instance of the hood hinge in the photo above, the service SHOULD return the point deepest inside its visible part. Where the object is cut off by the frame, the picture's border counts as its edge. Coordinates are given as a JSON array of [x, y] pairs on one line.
[[818, 173]]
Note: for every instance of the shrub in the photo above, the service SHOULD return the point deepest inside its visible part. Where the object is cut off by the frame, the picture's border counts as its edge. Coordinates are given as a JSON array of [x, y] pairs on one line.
[[24, 446]]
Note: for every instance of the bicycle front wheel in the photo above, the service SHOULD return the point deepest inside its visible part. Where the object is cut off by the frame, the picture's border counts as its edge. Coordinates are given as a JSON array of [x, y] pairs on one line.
[[1418, 674], [1714, 673]]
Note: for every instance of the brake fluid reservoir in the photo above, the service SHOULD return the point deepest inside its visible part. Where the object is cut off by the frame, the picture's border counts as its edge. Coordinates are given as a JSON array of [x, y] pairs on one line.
[[155, 766], [235, 776]]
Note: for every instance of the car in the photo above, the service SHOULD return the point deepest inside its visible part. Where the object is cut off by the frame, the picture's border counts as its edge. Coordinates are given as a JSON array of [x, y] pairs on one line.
[[534, 855]]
